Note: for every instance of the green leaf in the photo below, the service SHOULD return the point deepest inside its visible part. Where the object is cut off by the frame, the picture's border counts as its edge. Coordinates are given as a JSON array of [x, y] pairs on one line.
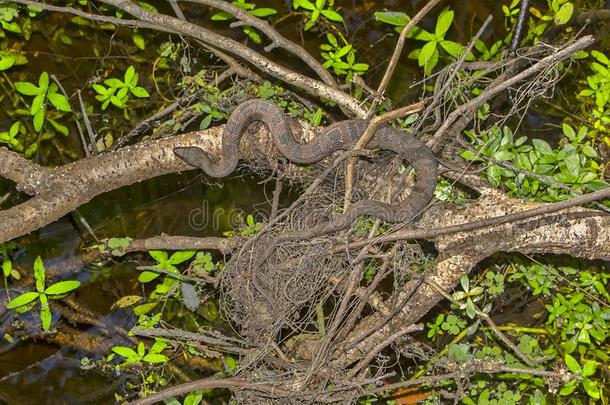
[[591, 388], [22, 300], [62, 287], [130, 75], [306, 4], [39, 274], [43, 82], [426, 53], [155, 358], [159, 255], [60, 102], [7, 266], [453, 48], [564, 14], [572, 364], [222, 16], [443, 23], [181, 256], [542, 146], [140, 92], [147, 276], [503, 155], [62, 129], [138, 41], [27, 88], [332, 15], [7, 62], [125, 352], [396, 18], [39, 120], [343, 51], [37, 104], [114, 82], [589, 368], [45, 312], [263, 12]]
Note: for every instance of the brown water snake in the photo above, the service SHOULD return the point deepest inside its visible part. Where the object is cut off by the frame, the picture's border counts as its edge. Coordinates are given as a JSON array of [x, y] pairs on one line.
[[339, 136]]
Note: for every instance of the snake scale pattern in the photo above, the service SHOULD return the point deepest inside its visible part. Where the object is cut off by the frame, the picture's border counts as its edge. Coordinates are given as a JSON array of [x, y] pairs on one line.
[[339, 136]]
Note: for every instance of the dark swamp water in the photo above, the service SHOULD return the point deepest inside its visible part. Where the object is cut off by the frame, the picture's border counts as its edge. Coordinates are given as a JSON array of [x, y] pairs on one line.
[[34, 372]]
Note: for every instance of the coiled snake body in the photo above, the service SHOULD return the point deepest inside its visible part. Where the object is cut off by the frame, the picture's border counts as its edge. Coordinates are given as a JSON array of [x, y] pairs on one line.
[[339, 136]]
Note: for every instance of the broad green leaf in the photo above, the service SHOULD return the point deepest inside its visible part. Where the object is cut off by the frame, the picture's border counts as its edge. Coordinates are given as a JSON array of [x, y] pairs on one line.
[[139, 41], [39, 274], [194, 398], [7, 266], [572, 364], [114, 82], [62, 287], [589, 368], [140, 349], [452, 48], [306, 4], [62, 129], [60, 101], [7, 62], [564, 14], [181, 256], [125, 352], [159, 255], [155, 358], [542, 146], [332, 15], [27, 88], [263, 12], [39, 120], [591, 388], [600, 57], [503, 155], [22, 300], [443, 23], [140, 92], [343, 51], [130, 74], [37, 103], [360, 67], [222, 16], [43, 82], [426, 53], [396, 18], [147, 276]]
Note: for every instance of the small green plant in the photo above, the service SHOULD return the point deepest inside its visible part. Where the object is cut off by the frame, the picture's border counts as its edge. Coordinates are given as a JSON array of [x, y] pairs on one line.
[[251, 9], [118, 90], [587, 370], [42, 93], [470, 295], [341, 58], [167, 263], [599, 90], [7, 263], [140, 355], [317, 9], [428, 56], [58, 290], [574, 163], [251, 227], [560, 12]]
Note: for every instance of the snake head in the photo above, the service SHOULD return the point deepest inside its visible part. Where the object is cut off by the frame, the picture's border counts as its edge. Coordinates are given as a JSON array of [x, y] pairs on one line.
[[192, 155]]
